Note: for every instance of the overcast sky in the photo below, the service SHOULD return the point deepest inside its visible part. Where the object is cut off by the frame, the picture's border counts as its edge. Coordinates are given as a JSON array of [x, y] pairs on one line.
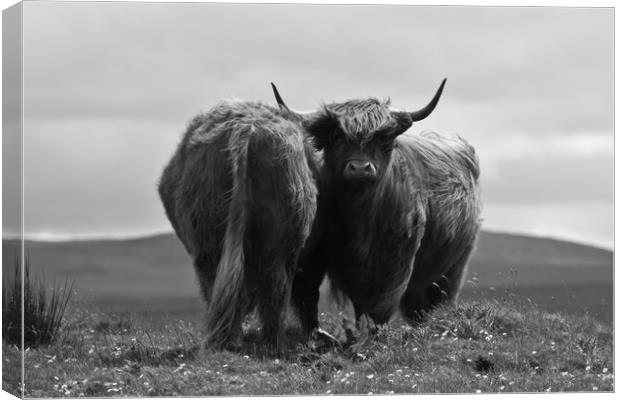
[[109, 88]]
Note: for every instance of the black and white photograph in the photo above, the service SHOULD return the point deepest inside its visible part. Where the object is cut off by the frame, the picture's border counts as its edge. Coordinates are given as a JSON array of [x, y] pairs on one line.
[[301, 199]]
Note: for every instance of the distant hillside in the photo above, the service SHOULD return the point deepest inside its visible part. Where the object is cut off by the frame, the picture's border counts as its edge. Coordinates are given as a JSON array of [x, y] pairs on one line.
[[158, 266], [528, 250]]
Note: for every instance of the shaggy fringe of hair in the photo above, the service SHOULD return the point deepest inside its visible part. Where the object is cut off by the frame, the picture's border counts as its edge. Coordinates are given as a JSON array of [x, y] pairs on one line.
[[359, 119]]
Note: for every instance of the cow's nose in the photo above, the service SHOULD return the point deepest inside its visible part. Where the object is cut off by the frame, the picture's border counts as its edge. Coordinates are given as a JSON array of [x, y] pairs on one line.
[[360, 169]]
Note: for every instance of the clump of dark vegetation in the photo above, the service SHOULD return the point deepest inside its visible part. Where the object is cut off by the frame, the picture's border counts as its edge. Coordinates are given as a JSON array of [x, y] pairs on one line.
[[43, 306]]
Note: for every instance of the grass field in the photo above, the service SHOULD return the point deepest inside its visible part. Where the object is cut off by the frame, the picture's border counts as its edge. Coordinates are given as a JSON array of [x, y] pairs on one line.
[[479, 346]]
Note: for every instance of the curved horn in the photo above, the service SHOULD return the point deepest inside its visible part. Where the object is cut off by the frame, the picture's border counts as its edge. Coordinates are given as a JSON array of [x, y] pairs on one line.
[[426, 111], [300, 115]]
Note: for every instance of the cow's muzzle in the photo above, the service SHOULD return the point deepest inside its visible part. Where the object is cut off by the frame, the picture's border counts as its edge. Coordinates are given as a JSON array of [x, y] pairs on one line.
[[362, 170]]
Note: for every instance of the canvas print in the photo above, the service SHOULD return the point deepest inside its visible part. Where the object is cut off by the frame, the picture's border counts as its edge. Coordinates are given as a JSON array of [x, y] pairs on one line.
[[216, 199]]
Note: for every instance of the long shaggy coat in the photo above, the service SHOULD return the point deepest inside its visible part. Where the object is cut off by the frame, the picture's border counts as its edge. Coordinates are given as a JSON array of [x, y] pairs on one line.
[[240, 194], [401, 242]]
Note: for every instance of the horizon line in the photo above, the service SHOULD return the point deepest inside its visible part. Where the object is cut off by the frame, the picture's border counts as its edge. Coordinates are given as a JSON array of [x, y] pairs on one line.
[[60, 238]]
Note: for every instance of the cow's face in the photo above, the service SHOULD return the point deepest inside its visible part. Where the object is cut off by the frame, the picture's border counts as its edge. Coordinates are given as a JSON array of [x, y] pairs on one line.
[[357, 138]]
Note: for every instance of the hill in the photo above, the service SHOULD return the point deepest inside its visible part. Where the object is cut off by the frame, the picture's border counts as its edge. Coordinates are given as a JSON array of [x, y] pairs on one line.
[[157, 267]]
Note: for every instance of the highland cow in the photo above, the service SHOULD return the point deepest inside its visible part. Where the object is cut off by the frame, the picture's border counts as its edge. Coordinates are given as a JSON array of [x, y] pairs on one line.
[[397, 216], [240, 194]]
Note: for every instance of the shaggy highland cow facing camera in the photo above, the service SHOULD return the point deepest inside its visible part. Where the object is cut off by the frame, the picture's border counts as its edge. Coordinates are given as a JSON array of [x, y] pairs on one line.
[[240, 194], [397, 217]]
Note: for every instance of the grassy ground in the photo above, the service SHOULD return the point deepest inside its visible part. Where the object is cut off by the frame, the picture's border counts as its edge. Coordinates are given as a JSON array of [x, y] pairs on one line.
[[479, 346]]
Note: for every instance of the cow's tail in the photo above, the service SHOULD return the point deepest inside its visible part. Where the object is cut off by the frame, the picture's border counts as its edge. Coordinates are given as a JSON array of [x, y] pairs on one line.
[[226, 306]]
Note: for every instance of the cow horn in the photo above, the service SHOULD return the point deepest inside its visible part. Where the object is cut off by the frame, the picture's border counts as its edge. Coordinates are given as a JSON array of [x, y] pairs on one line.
[[281, 103], [426, 111], [300, 115]]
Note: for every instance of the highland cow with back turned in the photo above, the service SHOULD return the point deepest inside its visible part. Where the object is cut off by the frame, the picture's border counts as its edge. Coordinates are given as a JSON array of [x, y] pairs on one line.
[[240, 194]]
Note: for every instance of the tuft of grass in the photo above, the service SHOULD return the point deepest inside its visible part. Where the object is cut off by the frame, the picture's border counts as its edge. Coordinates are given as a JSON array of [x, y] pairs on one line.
[[43, 307]]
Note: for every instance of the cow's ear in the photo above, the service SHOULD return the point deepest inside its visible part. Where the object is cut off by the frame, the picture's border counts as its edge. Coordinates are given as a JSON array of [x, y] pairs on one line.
[[322, 128], [403, 122]]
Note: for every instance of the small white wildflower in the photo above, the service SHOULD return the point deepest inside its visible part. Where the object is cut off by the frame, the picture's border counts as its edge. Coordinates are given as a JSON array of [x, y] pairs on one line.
[[588, 368], [407, 376], [564, 373], [370, 376], [399, 371], [548, 389], [415, 385], [605, 370], [502, 387], [533, 351], [478, 391], [595, 388], [276, 361], [246, 357]]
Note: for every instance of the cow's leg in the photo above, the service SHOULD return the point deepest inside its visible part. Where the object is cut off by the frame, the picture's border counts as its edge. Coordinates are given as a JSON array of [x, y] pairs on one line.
[[272, 307], [418, 301], [414, 304], [305, 294], [452, 281], [205, 267]]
